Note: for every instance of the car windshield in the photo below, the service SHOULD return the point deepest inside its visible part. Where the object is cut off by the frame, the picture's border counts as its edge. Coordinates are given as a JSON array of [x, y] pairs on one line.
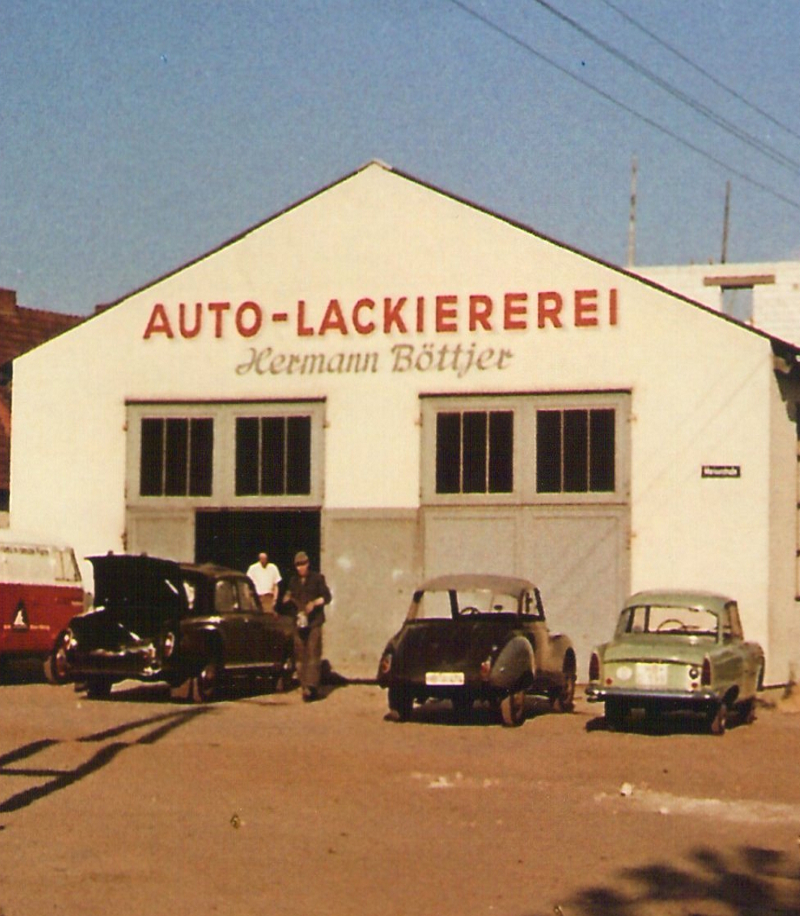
[[440, 604], [668, 620]]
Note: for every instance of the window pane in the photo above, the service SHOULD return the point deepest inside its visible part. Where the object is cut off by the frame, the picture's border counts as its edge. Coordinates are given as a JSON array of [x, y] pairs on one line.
[[576, 451], [501, 451], [475, 442], [246, 456], [298, 455], [273, 455], [177, 454], [201, 464], [548, 451], [601, 451], [448, 452], [151, 462]]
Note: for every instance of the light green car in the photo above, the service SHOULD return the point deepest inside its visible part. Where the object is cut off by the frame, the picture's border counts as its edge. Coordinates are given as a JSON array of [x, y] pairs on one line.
[[677, 651]]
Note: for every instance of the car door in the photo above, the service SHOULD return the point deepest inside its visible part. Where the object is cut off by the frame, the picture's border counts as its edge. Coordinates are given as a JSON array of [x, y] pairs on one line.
[[268, 634], [233, 624]]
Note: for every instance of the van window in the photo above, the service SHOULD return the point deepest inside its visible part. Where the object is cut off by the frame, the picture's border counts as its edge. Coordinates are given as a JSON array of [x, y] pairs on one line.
[[37, 564]]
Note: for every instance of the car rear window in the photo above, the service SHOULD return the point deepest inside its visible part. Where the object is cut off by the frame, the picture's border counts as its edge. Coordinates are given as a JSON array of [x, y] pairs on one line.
[[668, 620]]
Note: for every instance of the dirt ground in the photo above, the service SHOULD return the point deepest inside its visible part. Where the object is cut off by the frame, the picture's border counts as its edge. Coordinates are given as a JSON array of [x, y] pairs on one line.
[[261, 804]]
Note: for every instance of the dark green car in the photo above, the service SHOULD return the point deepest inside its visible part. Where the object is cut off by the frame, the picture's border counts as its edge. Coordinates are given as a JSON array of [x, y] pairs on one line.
[[469, 638], [676, 651], [157, 620]]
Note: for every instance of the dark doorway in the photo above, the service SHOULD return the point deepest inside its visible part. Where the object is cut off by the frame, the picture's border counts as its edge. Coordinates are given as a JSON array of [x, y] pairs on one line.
[[235, 538]]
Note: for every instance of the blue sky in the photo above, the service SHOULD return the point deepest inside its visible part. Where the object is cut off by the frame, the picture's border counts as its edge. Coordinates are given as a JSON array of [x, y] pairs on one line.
[[135, 137]]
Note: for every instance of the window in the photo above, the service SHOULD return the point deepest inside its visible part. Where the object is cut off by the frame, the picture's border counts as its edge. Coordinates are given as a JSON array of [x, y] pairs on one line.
[[176, 456], [273, 456], [575, 451], [737, 301], [475, 451]]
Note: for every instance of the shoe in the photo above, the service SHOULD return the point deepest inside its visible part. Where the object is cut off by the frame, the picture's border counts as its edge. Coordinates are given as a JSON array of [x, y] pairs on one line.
[[309, 694]]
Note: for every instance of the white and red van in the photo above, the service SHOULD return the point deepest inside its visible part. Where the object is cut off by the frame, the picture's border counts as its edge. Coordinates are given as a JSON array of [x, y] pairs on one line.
[[40, 592]]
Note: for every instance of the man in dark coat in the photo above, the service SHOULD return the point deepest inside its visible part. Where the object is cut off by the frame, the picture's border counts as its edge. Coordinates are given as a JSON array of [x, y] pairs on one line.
[[309, 593]]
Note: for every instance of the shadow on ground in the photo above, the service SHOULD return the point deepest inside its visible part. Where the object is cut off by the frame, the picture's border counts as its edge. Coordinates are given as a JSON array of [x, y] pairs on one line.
[[750, 882]]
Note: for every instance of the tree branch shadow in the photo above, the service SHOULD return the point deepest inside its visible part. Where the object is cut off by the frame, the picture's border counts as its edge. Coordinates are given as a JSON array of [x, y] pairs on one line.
[[750, 882]]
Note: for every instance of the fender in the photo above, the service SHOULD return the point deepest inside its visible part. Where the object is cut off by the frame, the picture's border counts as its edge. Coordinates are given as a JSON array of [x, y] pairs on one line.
[[514, 666]]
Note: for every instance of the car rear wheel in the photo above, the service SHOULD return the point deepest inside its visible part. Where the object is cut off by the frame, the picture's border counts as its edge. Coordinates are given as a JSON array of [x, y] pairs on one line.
[[400, 703], [56, 670], [747, 711], [512, 709], [718, 719], [203, 687]]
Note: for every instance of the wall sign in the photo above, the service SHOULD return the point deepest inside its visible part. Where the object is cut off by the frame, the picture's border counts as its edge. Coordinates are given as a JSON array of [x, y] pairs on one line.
[[721, 470]]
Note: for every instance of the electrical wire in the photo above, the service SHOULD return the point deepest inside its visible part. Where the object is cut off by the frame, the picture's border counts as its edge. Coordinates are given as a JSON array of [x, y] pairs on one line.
[[510, 36], [696, 67]]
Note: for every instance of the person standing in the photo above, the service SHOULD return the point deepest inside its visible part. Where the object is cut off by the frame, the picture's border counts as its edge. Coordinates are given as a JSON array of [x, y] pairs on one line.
[[266, 578], [309, 593]]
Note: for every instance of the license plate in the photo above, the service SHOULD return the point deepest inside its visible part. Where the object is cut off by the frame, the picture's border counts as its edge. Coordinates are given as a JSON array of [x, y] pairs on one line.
[[651, 675], [444, 678]]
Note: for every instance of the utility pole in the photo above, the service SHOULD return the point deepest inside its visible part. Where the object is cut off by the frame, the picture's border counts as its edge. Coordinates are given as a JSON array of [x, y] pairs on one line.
[[725, 222], [632, 216]]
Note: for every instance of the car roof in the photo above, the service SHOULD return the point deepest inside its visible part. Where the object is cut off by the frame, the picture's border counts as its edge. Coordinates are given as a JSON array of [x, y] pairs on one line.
[[507, 585], [123, 562], [701, 600]]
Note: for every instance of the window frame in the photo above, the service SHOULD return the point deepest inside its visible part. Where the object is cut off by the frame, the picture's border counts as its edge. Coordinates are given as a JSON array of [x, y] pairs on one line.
[[524, 407]]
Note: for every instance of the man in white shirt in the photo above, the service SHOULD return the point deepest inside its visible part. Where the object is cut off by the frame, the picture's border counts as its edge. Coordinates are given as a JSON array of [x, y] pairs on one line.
[[265, 576]]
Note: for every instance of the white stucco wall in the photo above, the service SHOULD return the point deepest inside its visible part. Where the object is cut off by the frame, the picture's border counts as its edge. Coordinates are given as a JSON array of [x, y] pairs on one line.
[[776, 289], [701, 386]]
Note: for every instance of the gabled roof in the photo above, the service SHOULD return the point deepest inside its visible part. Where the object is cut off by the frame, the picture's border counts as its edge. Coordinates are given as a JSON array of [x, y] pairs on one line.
[[785, 349]]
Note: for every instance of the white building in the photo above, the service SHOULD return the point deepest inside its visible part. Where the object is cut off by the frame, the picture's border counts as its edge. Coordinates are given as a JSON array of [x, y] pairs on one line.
[[402, 384], [765, 295]]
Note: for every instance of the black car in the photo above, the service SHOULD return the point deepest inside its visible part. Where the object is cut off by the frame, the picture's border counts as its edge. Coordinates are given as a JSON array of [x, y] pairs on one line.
[[468, 638], [158, 620]]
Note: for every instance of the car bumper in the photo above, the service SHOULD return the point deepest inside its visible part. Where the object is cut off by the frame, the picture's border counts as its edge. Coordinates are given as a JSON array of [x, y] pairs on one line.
[[685, 698]]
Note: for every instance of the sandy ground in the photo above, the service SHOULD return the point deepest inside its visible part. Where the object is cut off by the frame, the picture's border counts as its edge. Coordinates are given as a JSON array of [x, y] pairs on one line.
[[261, 804]]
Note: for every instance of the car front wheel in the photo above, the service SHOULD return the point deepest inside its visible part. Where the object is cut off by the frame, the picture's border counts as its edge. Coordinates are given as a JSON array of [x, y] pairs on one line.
[[203, 687], [56, 669]]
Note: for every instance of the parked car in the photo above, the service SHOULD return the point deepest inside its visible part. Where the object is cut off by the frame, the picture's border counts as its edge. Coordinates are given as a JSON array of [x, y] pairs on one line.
[[157, 620], [40, 590], [677, 651], [477, 637]]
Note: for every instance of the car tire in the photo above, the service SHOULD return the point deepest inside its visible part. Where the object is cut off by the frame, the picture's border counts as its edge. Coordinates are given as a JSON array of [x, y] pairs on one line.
[[204, 686], [512, 709], [718, 719], [98, 688], [55, 665], [614, 715], [400, 703], [564, 698], [747, 711]]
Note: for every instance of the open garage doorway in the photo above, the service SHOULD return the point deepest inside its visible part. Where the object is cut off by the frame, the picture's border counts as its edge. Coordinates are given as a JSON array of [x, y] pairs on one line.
[[235, 538]]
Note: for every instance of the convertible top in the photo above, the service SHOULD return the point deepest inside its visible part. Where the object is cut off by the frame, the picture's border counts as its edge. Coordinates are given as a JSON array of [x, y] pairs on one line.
[[506, 585]]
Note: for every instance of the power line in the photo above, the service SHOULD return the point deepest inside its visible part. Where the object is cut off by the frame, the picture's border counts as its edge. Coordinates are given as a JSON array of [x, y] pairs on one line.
[[702, 109], [709, 76], [621, 105]]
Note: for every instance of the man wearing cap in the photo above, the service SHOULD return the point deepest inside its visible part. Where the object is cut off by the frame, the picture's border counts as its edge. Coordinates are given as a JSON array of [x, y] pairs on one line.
[[309, 593], [266, 577]]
